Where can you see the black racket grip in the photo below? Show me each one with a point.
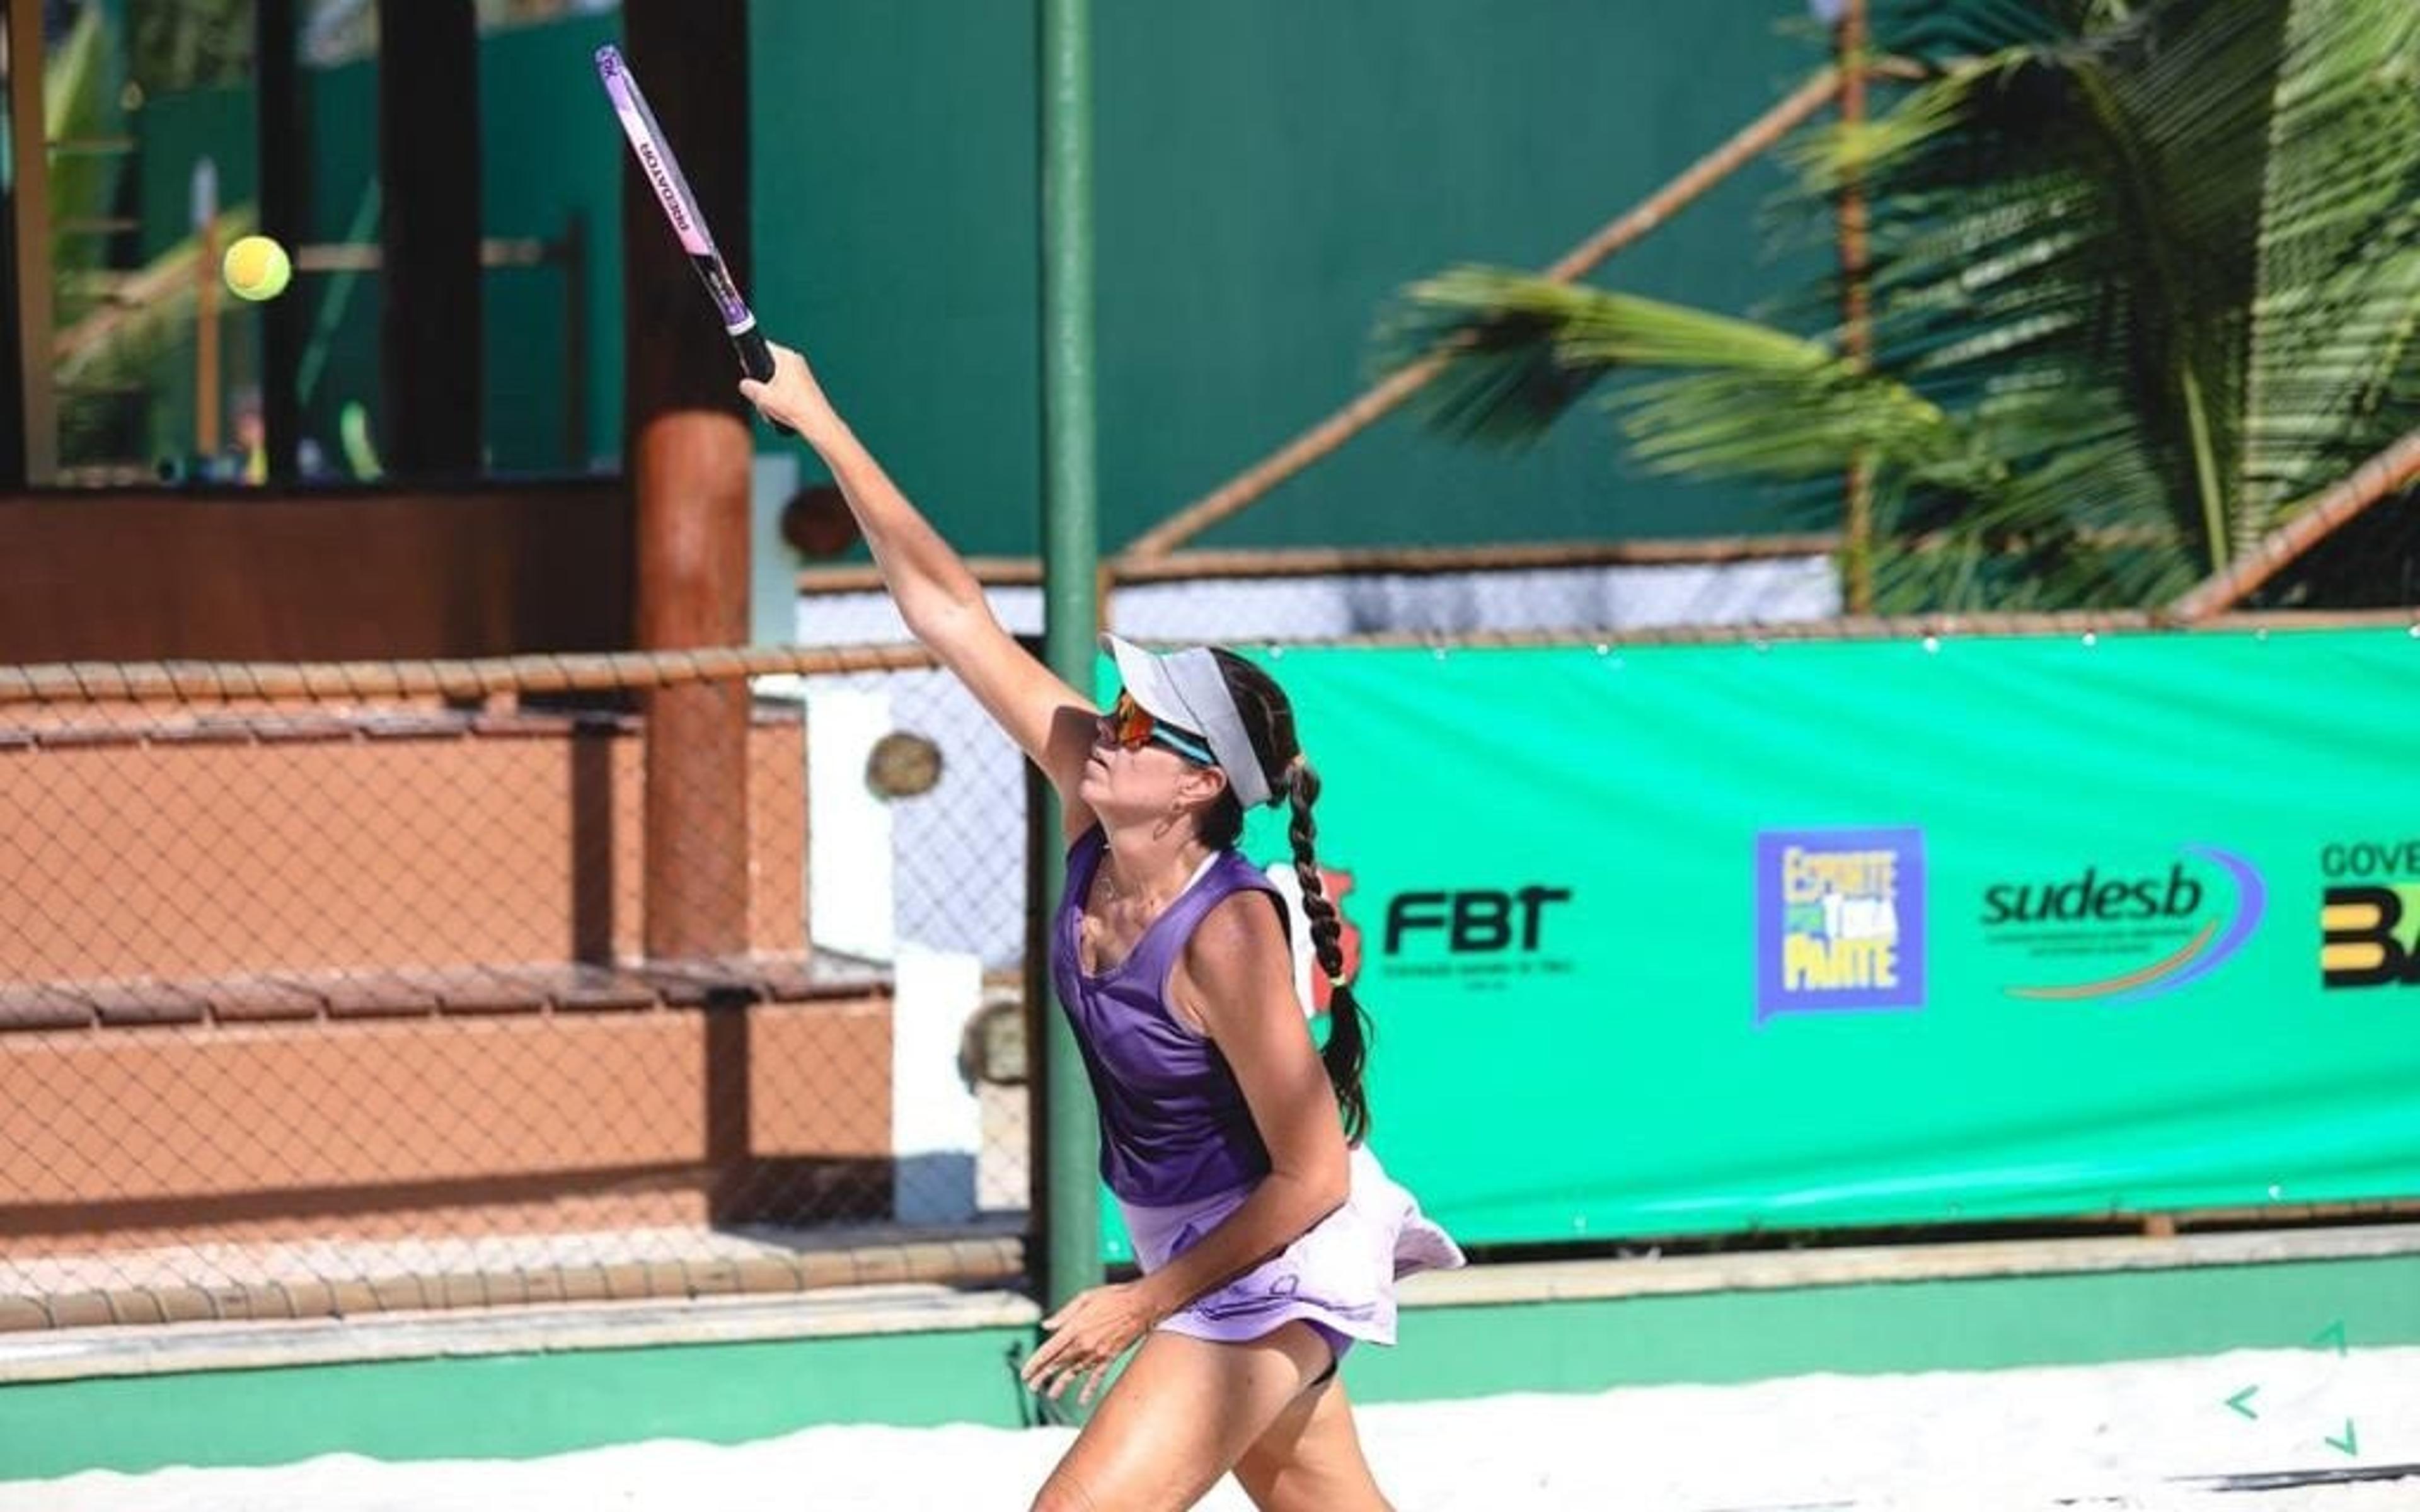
(756, 361)
(755, 358)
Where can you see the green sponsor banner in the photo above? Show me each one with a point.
(1688, 940)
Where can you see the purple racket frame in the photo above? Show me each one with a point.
(663, 172)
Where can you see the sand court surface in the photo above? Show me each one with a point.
(2157, 1436)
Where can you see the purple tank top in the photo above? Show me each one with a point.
(1175, 1125)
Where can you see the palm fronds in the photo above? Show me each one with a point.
(80, 96)
(2138, 272)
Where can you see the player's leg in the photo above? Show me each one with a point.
(1178, 1418)
(1309, 1459)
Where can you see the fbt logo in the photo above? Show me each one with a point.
(1476, 920)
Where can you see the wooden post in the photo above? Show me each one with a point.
(688, 453)
(431, 331)
(37, 460)
(688, 457)
(206, 318)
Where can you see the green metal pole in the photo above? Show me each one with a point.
(1070, 546)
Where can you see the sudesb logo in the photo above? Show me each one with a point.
(2175, 912)
(1474, 920)
(2091, 897)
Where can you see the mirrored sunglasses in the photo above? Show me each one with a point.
(1130, 726)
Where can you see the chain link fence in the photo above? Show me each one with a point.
(1577, 589)
(1297, 597)
(339, 988)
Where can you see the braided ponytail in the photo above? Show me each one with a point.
(1268, 720)
(1348, 1028)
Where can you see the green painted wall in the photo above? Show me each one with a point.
(550, 153)
(341, 347)
(522, 1406)
(1269, 174)
(508, 1407)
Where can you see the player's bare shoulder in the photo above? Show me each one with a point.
(1237, 961)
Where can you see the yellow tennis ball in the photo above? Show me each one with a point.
(257, 268)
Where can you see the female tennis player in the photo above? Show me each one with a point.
(1269, 1238)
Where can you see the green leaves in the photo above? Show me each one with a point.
(2331, 326)
(191, 44)
(2141, 276)
(1525, 350)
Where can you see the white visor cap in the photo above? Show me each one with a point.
(1187, 689)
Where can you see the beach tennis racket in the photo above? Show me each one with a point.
(664, 174)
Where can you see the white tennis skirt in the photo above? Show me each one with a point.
(1339, 1277)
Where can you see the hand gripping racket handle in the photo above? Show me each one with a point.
(756, 361)
(755, 358)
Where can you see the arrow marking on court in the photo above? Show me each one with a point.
(2348, 1444)
(2335, 1331)
(2237, 1400)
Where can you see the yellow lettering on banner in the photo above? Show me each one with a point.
(1809, 964)
(1807, 875)
(2367, 955)
(1796, 886)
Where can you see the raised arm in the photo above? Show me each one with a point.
(940, 600)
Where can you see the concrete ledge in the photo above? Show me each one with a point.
(838, 1312)
(1660, 1276)
(872, 1311)
(518, 1382)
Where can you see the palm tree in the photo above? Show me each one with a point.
(2142, 276)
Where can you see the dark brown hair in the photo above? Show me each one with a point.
(1269, 720)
